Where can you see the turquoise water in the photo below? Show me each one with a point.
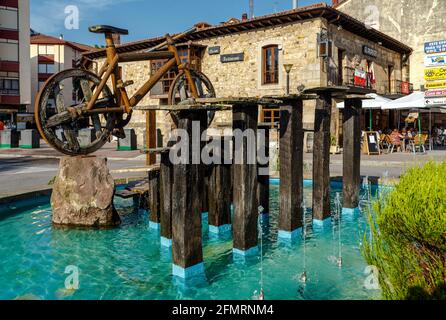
(128, 262)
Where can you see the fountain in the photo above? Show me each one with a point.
(303, 277)
(336, 258)
(260, 295)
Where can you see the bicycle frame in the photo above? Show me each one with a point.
(110, 70)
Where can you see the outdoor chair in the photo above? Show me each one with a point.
(419, 143)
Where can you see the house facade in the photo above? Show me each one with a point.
(15, 87)
(50, 55)
(246, 58)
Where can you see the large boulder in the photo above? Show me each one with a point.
(83, 194)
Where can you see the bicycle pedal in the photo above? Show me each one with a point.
(121, 84)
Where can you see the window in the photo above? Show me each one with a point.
(165, 81)
(270, 115)
(46, 50)
(46, 68)
(270, 64)
(9, 86)
(191, 55)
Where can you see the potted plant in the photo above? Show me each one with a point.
(334, 148)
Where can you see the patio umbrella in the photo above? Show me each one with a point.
(372, 101)
(416, 101)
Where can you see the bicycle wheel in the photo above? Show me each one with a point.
(179, 91)
(71, 88)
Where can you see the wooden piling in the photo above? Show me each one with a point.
(166, 182)
(352, 152)
(187, 251)
(154, 199)
(291, 168)
(219, 195)
(245, 231)
(321, 157)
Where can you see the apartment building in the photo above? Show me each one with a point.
(15, 79)
(50, 55)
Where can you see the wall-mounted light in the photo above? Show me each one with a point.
(288, 67)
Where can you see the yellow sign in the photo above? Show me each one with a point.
(435, 74)
(436, 85)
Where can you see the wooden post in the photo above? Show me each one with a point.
(263, 174)
(245, 222)
(219, 193)
(166, 181)
(150, 137)
(321, 158)
(187, 251)
(291, 169)
(154, 199)
(352, 153)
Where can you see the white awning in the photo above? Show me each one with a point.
(374, 101)
(415, 100)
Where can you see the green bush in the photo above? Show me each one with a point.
(407, 238)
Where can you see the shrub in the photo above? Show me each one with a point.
(407, 238)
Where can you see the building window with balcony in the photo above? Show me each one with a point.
(190, 55)
(46, 68)
(9, 87)
(270, 64)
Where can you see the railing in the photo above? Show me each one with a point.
(357, 78)
(10, 92)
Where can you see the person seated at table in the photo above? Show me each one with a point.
(395, 138)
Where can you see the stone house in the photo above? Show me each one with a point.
(324, 45)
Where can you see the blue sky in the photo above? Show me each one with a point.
(143, 18)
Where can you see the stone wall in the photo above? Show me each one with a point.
(409, 21)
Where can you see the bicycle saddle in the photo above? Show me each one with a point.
(107, 29)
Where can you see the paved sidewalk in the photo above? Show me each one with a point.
(46, 152)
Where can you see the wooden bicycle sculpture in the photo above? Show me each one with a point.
(77, 99)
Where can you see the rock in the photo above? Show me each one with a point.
(83, 194)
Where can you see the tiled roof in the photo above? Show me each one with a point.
(321, 10)
(45, 39)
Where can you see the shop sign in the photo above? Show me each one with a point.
(435, 47)
(226, 58)
(405, 87)
(435, 74)
(214, 50)
(360, 78)
(436, 85)
(435, 93)
(439, 101)
(370, 51)
(435, 61)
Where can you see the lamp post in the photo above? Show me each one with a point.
(288, 67)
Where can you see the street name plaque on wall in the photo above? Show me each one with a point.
(214, 50)
(234, 57)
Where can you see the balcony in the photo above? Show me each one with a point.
(352, 77)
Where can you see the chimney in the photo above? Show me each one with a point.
(245, 17)
(251, 9)
(335, 2)
(295, 4)
(61, 36)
